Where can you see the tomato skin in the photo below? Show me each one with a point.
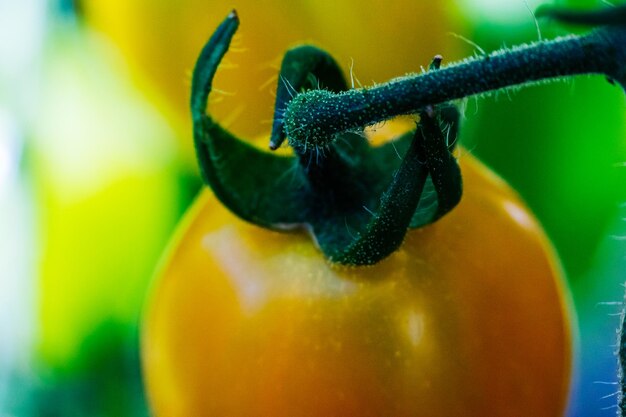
(467, 318)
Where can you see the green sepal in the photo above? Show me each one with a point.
(357, 200)
(258, 187)
(383, 230)
(443, 188)
(207, 63)
(264, 189)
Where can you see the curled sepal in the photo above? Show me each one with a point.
(427, 158)
(207, 63)
(444, 187)
(257, 186)
(303, 68)
(608, 16)
(385, 230)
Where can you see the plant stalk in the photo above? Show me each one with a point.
(315, 117)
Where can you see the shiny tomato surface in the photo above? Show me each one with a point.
(468, 318)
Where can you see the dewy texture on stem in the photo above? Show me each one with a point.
(316, 117)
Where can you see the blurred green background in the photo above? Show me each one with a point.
(96, 167)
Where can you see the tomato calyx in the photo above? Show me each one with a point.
(358, 201)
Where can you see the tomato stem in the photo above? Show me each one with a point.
(303, 68)
(607, 16)
(328, 171)
(318, 116)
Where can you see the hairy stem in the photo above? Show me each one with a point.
(317, 116)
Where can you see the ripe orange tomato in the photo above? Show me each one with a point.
(469, 318)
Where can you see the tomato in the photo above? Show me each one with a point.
(160, 39)
(468, 317)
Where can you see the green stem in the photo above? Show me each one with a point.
(317, 116)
